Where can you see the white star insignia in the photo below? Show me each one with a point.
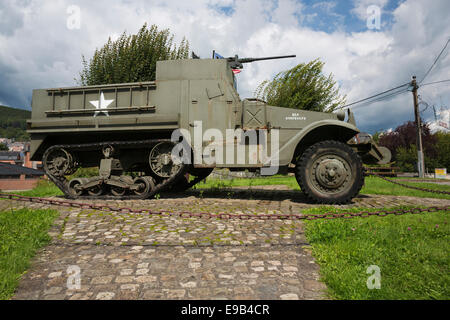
(101, 105)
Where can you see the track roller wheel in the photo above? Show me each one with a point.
(96, 191)
(75, 187)
(118, 191)
(146, 185)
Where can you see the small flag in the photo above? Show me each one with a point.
(217, 56)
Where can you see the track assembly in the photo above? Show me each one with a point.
(115, 181)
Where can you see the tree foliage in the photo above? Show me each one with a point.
(443, 147)
(16, 134)
(402, 143)
(406, 159)
(13, 123)
(132, 58)
(406, 135)
(302, 87)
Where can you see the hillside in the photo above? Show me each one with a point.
(13, 123)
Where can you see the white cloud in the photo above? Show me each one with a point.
(37, 50)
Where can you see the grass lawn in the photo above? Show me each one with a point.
(373, 185)
(44, 188)
(22, 232)
(376, 185)
(412, 252)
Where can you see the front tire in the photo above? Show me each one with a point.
(330, 172)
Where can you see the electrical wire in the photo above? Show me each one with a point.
(376, 95)
(435, 61)
(435, 82)
(385, 97)
(391, 95)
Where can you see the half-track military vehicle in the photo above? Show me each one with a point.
(127, 132)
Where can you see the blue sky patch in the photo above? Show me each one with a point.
(331, 16)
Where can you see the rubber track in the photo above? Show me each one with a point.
(62, 182)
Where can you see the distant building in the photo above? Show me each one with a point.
(21, 158)
(441, 124)
(16, 146)
(5, 141)
(27, 162)
(11, 157)
(14, 177)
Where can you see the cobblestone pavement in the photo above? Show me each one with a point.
(136, 256)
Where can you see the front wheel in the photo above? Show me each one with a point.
(330, 172)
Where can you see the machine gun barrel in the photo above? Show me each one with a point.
(248, 60)
(236, 63)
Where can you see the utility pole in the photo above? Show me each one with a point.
(420, 158)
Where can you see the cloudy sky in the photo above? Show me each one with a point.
(42, 41)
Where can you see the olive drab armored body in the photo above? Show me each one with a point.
(167, 135)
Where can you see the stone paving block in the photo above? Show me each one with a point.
(289, 296)
(105, 296)
(138, 256)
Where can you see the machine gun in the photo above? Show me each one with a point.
(236, 63)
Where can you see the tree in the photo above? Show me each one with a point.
(302, 87)
(443, 147)
(407, 158)
(402, 143)
(406, 135)
(132, 58)
(376, 136)
(3, 147)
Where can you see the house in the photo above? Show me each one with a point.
(20, 158)
(5, 141)
(16, 146)
(15, 177)
(27, 162)
(11, 157)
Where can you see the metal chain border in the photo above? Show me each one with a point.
(222, 216)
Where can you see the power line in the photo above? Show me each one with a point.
(376, 95)
(391, 95)
(435, 61)
(435, 82)
(381, 97)
(384, 97)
